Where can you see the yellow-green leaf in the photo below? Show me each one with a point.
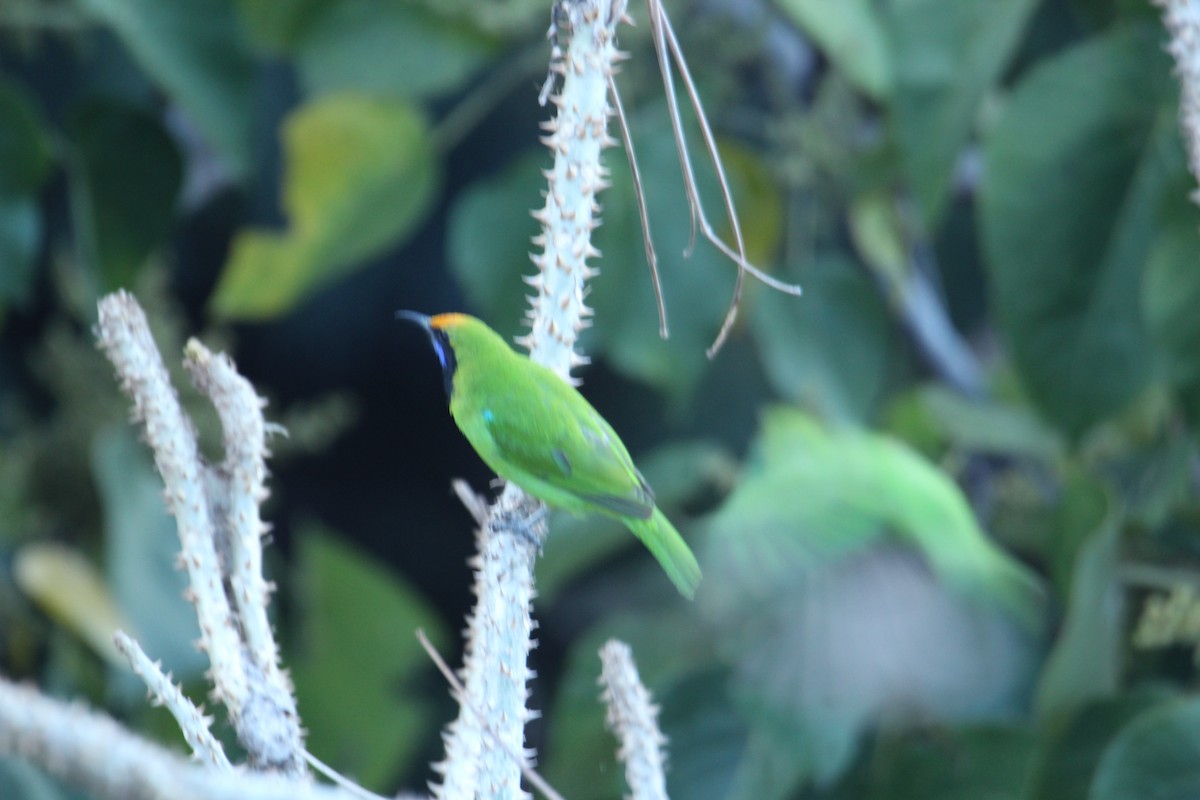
(851, 34)
(360, 175)
(72, 592)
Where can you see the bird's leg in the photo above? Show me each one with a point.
(525, 519)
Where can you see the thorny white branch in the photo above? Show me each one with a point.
(633, 718)
(216, 510)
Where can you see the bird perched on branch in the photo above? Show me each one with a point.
(534, 429)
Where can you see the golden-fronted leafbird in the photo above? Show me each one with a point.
(536, 430)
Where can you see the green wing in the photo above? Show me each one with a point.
(556, 437)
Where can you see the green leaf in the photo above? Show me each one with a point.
(984, 762)
(829, 349)
(1070, 753)
(24, 148)
(948, 56)
(1156, 757)
(1171, 292)
(974, 425)
(1085, 661)
(1075, 170)
(851, 34)
(361, 174)
(1075, 515)
(276, 25)
(141, 548)
(129, 176)
(394, 49)
(361, 675)
(707, 737)
(195, 50)
(70, 590)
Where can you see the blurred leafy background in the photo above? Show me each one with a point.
(987, 204)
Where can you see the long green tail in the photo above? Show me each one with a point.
(661, 538)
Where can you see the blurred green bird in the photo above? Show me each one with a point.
(536, 430)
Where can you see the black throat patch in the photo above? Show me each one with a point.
(445, 354)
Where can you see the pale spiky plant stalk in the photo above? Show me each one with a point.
(91, 751)
(163, 691)
(633, 719)
(216, 511)
(490, 728)
(576, 136)
(1182, 19)
(220, 532)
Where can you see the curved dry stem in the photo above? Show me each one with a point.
(666, 43)
(643, 214)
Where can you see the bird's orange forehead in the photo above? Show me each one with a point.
(440, 321)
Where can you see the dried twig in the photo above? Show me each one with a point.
(640, 195)
(664, 43)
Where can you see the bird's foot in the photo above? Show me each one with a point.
(526, 519)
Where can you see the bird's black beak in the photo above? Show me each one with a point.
(413, 316)
(441, 346)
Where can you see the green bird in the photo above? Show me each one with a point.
(536, 430)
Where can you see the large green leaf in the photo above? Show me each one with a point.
(947, 57)
(390, 49)
(363, 682)
(1070, 751)
(361, 174)
(278, 26)
(196, 51)
(851, 33)
(829, 349)
(129, 176)
(1075, 169)
(1085, 662)
(1156, 757)
(1171, 292)
(938, 417)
